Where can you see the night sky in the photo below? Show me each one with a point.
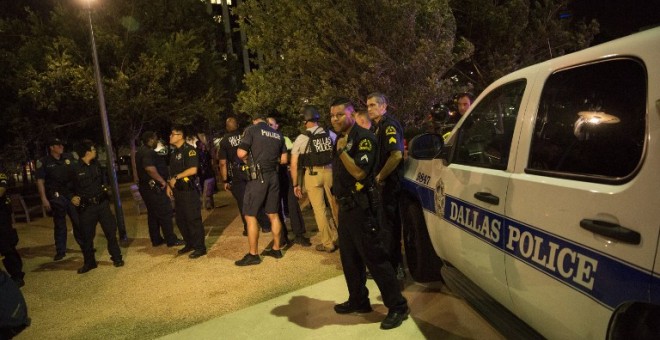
(618, 18)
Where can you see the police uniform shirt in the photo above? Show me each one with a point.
(228, 147)
(145, 157)
(88, 180)
(56, 174)
(361, 146)
(5, 205)
(300, 144)
(267, 145)
(183, 158)
(390, 138)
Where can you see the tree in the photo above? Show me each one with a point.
(315, 50)
(509, 35)
(157, 59)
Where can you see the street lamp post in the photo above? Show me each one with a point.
(112, 174)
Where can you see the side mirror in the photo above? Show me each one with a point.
(426, 146)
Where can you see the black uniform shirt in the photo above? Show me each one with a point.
(390, 138)
(56, 174)
(361, 146)
(267, 145)
(228, 147)
(87, 180)
(5, 205)
(145, 157)
(183, 158)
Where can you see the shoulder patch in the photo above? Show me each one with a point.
(365, 145)
(392, 140)
(390, 130)
(67, 161)
(192, 153)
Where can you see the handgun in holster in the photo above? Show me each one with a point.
(153, 186)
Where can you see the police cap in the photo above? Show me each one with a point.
(54, 141)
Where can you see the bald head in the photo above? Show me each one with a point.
(231, 124)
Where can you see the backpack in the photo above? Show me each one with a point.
(319, 149)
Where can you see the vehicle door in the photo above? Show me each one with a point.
(582, 206)
(472, 189)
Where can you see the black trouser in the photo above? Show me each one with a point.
(61, 207)
(359, 248)
(189, 218)
(290, 204)
(159, 215)
(238, 191)
(90, 215)
(390, 193)
(8, 242)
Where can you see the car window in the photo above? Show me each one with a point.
(590, 122)
(484, 138)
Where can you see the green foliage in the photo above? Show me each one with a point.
(509, 35)
(314, 50)
(157, 60)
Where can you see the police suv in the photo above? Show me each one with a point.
(542, 207)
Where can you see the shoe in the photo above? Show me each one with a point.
(303, 241)
(321, 247)
(176, 243)
(394, 319)
(59, 256)
(273, 253)
(185, 250)
(248, 260)
(19, 281)
(123, 237)
(158, 244)
(87, 267)
(197, 253)
(347, 308)
(119, 263)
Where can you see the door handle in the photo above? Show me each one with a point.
(487, 197)
(611, 230)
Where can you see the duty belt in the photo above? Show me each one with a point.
(98, 199)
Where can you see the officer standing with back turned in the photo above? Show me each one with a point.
(181, 186)
(360, 237)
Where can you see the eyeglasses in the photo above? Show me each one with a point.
(337, 116)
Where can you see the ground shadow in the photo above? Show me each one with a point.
(313, 313)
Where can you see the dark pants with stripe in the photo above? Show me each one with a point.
(360, 249)
(189, 218)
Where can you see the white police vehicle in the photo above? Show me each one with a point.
(543, 206)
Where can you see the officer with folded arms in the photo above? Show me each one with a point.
(91, 198)
(152, 174)
(360, 236)
(263, 150)
(53, 183)
(181, 186)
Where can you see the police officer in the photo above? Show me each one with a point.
(8, 236)
(360, 237)
(263, 149)
(389, 172)
(152, 172)
(91, 198)
(53, 183)
(233, 171)
(311, 165)
(182, 187)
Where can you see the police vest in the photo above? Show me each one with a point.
(319, 149)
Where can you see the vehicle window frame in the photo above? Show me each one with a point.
(594, 178)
